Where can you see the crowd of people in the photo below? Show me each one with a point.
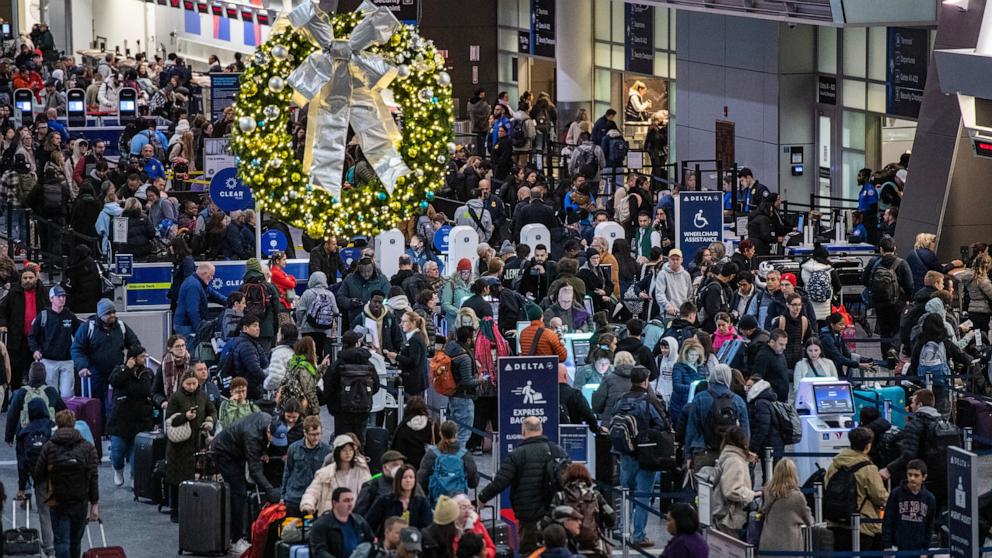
(247, 386)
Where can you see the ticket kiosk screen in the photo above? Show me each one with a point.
(833, 399)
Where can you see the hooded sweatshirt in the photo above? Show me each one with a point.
(672, 287)
(39, 422)
(316, 286)
(663, 385)
(104, 222)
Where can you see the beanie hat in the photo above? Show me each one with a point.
(104, 307)
(748, 322)
(533, 311)
(590, 252)
(446, 511)
(254, 265)
(464, 264)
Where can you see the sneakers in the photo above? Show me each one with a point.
(119, 477)
(239, 548)
(643, 543)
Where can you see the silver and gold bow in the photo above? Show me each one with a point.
(343, 85)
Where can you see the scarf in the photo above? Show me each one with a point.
(488, 339)
(378, 320)
(173, 371)
(301, 361)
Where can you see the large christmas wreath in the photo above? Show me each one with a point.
(263, 146)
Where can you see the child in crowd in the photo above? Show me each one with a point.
(910, 512)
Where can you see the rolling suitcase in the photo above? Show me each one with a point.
(204, 517)
(876, 397)
(149, 449)
(286, 550)
(22, 542)
(974, 412)
(729, 351)
(102, 551)
(376, 442)
(87, 409)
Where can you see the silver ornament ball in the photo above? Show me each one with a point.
(246, 124)
(419, 173)
(276, 84)
(441, 159)
(261, 58)
(425, 94)
(444, 78)
(275, 162)
(403, 70)
(280, 52)
(271, 112)
(451, 147)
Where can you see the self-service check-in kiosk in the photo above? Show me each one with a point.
(24, 107)
(76, 108)
(127, 105)
(577, 348)
(826, 409)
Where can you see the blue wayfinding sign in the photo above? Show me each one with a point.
(698, 221)
(229, 192)
(962, 491)
(574, 439)
(441, 239)
(274, 240)
(123, 264)
(528, 387)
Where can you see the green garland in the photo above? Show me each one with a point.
(262, 142)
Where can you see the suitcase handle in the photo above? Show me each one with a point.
(86, 387)
(103, 534)
(27, 512)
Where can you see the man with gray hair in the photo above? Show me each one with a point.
(523, 471)
(710, 415)
(191, 303)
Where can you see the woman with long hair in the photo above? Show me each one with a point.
(813, 363)
(637, 106)
(302, 374)
(285, 283)
(403, 501)
(734, 483)
(175, 363)
(933, 352)
(979, 291)
(412, 356)
(628, 265)
(344, 466)
(784, 511)
(576, 127)
(187, 405)
(690, 368)
(450, 451)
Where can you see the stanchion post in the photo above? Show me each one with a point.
(856, 532)
(818, 502)
(807, 533)
(928, 380)
(968, 437)
(496, 466)
(766, 461)
(625, 535)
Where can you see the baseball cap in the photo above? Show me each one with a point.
(280, 433)
(56, 291)
(675, 252)
(410, 539)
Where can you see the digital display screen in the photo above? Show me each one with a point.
(24, 105)
(833, 399)
(127, 106)
(76, 106)
(983, 148)
(580, 349)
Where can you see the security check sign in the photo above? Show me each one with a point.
(698, 221)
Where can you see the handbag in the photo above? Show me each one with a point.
(178, 434)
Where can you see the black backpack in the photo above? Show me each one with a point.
(256, 299)
(51, 197)
(840, 495)
(554, 467)
(941, 434)
(355, 385)
(587, 163)
(65, 470)
(32, 441)
(518, 132)
(884, 285)
(722, 417)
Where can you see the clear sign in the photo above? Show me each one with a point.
(962, 492)
(528, 387)
(442, 239)
(698, 221)
(124, 264)
(229, 192)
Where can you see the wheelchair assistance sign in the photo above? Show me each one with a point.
(528, 387)
(698, 221)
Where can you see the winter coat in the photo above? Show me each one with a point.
(412, 437)
(231, 412)
(523, 471)
(317, 495)
(979, 292)
(278, 364)
(300, 383)
(474, 525)
(100, 348)
(686, 546)
(413, 363)
(167, 378)
(772, 367)
(284, 283)
(903, 274)
(463, 370)
(683, 376)
(85, 212)
(824, 368)
(302, 464)
(920, 262)
(699, 412)
(759, 231)
(332, 380)
(248, 361)
(419, 508)
(735, 490)
(180, 461)
(191, 306)
(244, 442)
(69, 441)
(822, 309)
(671, 288)
(17, 406)
(39, 422)
(576, 319)
(83, 283)
(761, 416)
(104, 224)
(614, 386)
(269, 321)
(576, 407)
(316, 286)
(132, 412)
(835, 350)
(328, 264)
(871, 488)
(12, 312)
(140, 233)
(355, 292)
(426, 468)
(476, 206)
(478, 114)
(454, 291)
(327, 540)
(783, 519)
(912, 441)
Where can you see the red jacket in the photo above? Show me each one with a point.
(479, 529)
(283, 282)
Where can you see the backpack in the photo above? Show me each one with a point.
(616, 151)
(587, 163)
(554, 467)
(840, 495)
(32, 441)
(818, 287)
(941, 434)
(441, 376)
(64, 471)
(518, 133)
(888, 448)
(701, 299)
(25, 183)
(448, 477)
(788, 423)
(205, 331)
(256, 299)
(321, 312)
(722, 417)
(625, 428)
(884, 285)
(656, 450)
(587, 503)
(51, 197)
(35, 393)
(356, 388)
(156, 143)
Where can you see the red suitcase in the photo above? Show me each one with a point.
(87, 409)
(103, 551)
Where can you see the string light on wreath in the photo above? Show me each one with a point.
(279, 181)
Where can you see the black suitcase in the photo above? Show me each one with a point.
(376, 443)
(503, 551)
(204, 517)
(23, 542)
(149, 449)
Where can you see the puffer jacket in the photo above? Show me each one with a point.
(132, 411)
(871, 489)
(979, 292)
(524, 467)
(682, 377)
(248, 361)
(454, 291)
(278, 363)
(764, 426)
(735, 490)
(821, 309)
(463, 370)
(245, 441)
(317, 496)
(413, 436)
(316, 285)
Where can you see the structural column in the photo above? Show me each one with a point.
(573, 57)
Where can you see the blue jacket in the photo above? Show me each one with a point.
(248, 361)
(17, 405)
(835, 349)
(682, 377)
(699, 413)
(920, 262)
(142, 138)
(191, 307)
(39, 422)
(599, 129)
(100, 348)
(154, 169)
(235, 247)
(301, 465)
